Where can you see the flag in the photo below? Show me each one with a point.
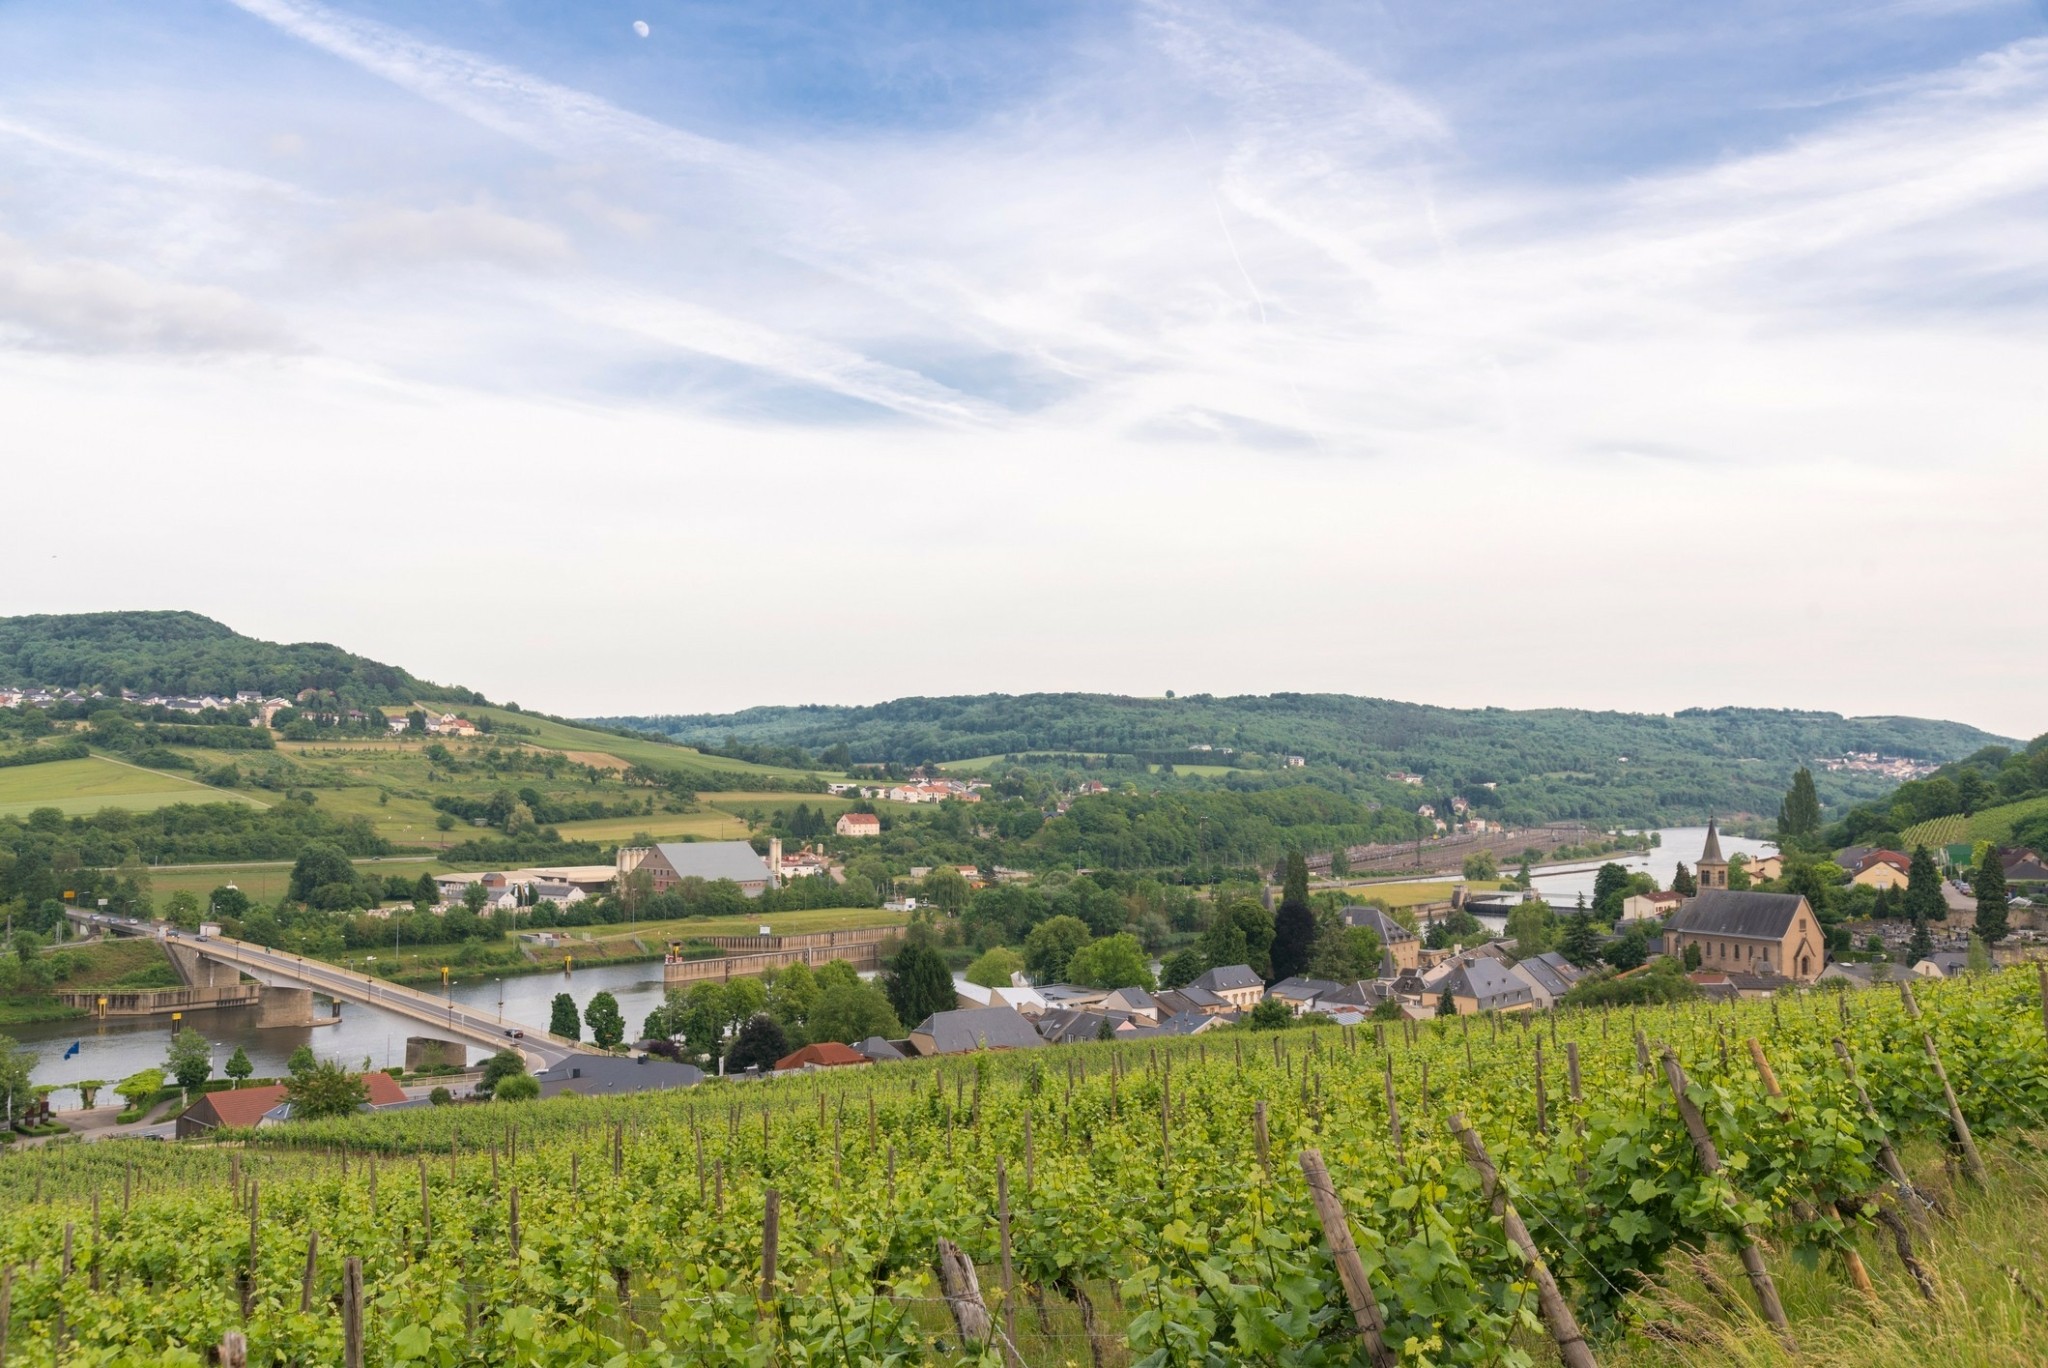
(74, 1048)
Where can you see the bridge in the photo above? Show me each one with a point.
(218, 961)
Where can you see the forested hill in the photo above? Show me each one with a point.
(1546, 764)
(184, 653)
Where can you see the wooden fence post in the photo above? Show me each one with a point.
(352, 1312)
(312, 1266)
(1394, 1113)
(1571, 1065)
(1710, 1160)
(1009, 1273)
(6, 1308)
(1557, 1313)
(233, 1351)
(512, 1221)
(771, 1232)
(1259, 1141)
(963, 1294)
(1542, 1101)
(1972, 1160)
(1858, 1274)
(1365, 1309)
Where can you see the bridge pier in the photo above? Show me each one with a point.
(285, 1007)
(199, 972)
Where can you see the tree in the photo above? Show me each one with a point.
(563, 1019)
(1046, 950)
(944, 888)
(137, 1088)
(994, 968)
(1343, 954)
(1627, 950)
(1923, 943)
(1581, 941)
(1456, 927)
(1978, 958)
(1524, 877)
(607, 1025)
(1992, 903)
(474, 897)
(325, 1090)
(499, 1067)
(320, 866)
(1799, 814)
(1923, 888)
(1112, 962)
(301, 1060)
(1531, 926)
(191, 1058)
(440, 1097)
(1683, 883)
(238, 1066)
(1269, 1014)
(919, 984)
(1481, 866)
(1240, 932)
(792, 999)
(517, 1088)
(1294, 926)
(850, 1012)
(1738, 872)
(1446, 1005)
(181, 910)
(1694, 956)
(1340, 862)
(88, 1088)
(1610, 887)
(15, 1067)
(759, 1045)
(1181, 968)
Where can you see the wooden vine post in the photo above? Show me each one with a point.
(352, 1312)
(1964, 1140)
(1009, 1272)
(771, 1232)
(233, 1351)
(1710, 1160)
(963, 1294)
(1365, 1309)
(1557, 1312)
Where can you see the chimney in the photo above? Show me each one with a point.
(775, 862)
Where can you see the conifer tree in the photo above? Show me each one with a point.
(1799, 813)
(1992, 902)
(1683, 883)
(1923, 888)
(1294, 925)
(1923, 943)
(563, 1019)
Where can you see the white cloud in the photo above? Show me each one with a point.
(471, 233)
(90, 306)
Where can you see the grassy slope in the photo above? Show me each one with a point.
(85, 786)
(118, 963)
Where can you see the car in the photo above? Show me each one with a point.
(515, 1035)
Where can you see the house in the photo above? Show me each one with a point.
(1860, 975)
(1405, 777)
(1022, 997)
(1360, 997)
(880, 1050)
(974, 1028)
(1750, 933)
(828, 1054)
(616, 1075)
(1295, 761)
(1650, 906)
(1485, 985)
(1883, 869)
(1396, 940)
(1943, 964)
(858, 824)
(1134, 1002)
(2023, 867)
(1771, 866)
(1549, 976)
(1181, 1001)
(671, 862)
(1190, 1023)
(1300, 993)
(1236, 984)
(1073, 1026)
(236, 1108)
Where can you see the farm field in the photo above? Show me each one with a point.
(266, 881)
(1148, 1202)
(1415, 894)
(75, 787)
(705, 824)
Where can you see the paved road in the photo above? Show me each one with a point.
(450, 1018)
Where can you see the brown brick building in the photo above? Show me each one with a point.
(1751, 933)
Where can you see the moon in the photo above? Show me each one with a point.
(640, 27)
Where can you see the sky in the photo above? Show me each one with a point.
(684, 355)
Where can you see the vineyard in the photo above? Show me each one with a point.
(1471, 1191)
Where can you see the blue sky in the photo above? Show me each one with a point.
(1131, 346)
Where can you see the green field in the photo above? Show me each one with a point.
(80, 786)
(1987, 824)
(266, 881)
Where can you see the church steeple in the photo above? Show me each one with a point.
(1712, 869)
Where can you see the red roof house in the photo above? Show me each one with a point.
(828, 1055)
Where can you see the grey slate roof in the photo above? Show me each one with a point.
(1188, 1023)
(1373, 919)
(1229, 976)
(1173, 1001)
(1300, 989)
(614, 1075)
(1711, 853)
(976, 1028)
(1552, 970)
(879, 1048)
(1070, 1025)
(733, 860)
(1488, 984)
(1739, 916)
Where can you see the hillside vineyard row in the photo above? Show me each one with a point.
(1122, 1203)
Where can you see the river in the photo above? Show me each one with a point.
(112, 1050)
(1561, 886)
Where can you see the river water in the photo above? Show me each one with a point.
(111, 1050)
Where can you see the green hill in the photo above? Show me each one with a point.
(184, 653)
(1542, 764)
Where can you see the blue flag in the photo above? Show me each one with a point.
(74, 1048)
